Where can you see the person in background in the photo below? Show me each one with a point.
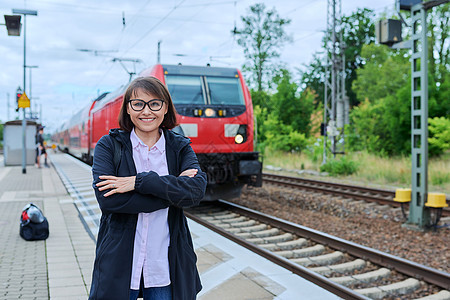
(40, 147)
(144, 245)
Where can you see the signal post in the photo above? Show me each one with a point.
(389, 33)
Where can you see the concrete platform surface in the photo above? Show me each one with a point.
(61, 266)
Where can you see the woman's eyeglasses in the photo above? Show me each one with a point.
(138, 104)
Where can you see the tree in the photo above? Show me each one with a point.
(291, 108)
(439, 33)
(385, 72)
(382, 122)
(357, 30)
(262, 38)
(314, 78)
(439, 59)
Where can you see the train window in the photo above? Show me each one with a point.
(185, 89)
(225, 91)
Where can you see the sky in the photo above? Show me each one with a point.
(192, 32)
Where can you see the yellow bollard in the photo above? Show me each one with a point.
(436, 200)
(402, 195)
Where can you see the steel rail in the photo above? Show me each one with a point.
(304, 272)
(415, 270)
(386, 193)
(370, 194)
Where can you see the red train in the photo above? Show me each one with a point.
(214, 110)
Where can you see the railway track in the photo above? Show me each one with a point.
(382, 197)
(349, 270)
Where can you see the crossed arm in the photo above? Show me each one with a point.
(126, 184)
(147, 191)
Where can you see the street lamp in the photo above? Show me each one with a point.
(13, 25)
(24, 12)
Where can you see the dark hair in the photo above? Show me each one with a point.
(150, 85)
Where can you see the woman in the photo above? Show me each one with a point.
(144, 245)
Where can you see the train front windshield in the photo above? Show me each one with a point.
(205, 90)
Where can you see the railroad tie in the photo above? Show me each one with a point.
(364, 277)
(244, 224)
(219, 223)
(220, 215)
(289, 245)
(298, 243)
(279, 238)
(258, 227)
(356, 264)
(442, 295)
(310, 251)
(319, 260)
(243, 232)
(235, 220)
(272, 239)
(260, 234)
(399, 288)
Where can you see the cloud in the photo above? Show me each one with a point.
(67, 79)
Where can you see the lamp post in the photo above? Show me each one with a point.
(24, 12)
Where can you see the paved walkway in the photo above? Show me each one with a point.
(57, 268)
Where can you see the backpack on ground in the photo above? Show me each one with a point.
(33, 224)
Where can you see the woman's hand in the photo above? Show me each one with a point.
(189, 172)
(116, 184)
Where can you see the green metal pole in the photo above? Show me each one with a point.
(419, 214)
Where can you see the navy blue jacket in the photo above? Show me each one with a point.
(114, 254)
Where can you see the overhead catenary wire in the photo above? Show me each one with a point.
(154, 26)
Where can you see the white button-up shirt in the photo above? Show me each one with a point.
(150, 254)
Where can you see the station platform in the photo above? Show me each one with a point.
(61, 266)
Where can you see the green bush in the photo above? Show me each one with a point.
(343, 166)
(287, 140)
(278, 136)
(314, 150)
(439, 135)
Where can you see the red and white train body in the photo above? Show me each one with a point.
(214, 110)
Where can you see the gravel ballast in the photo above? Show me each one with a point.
(378, 227)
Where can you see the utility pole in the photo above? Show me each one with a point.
(158, 61)
(336, 104)
(24, 12)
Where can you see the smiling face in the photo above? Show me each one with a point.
(146, 122)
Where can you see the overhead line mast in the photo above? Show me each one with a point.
(336, 103)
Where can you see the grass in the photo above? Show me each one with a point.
(372, 170)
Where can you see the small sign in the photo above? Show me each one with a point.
(24, 101)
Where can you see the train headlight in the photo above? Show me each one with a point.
(209, 112)
(238, 139)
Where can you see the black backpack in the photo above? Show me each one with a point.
(33, 224)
